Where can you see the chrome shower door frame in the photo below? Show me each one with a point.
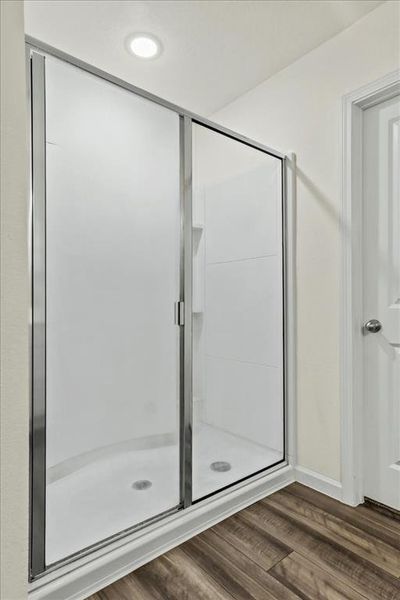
(38, 328)
(36, 53)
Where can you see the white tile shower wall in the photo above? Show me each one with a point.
(243, 310)
(242, 399)
(242, 216)
(243, 303)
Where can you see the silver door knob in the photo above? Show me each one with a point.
(372, 326)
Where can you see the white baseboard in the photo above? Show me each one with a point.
(89, 574)
(318, 482)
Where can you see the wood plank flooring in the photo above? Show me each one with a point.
(294, 544)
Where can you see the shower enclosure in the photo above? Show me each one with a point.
(158, 309)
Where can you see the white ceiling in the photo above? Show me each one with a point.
(213, 51)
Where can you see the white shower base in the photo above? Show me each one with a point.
(97, 500)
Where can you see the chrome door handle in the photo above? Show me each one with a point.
(372, 326)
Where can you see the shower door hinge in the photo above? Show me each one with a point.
(179, 313)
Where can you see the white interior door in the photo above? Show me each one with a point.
(381, 197)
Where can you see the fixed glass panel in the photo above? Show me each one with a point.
(112, 278)
(238, 392)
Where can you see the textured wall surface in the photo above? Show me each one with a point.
(14, 408)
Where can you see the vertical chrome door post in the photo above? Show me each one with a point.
(186, 283)
(38, 337)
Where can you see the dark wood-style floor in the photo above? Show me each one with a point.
(296, 543)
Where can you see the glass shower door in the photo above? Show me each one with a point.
(112, 278)
(158, 309)
(238, 347)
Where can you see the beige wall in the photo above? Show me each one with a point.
(14, 408)
(299, 109)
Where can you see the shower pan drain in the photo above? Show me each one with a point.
(142, 484)
(221, 466)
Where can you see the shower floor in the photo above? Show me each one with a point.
(98, 500)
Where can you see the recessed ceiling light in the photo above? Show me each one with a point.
(144, 45)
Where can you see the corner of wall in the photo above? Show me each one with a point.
(14, 330)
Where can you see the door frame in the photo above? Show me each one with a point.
(351, 366)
